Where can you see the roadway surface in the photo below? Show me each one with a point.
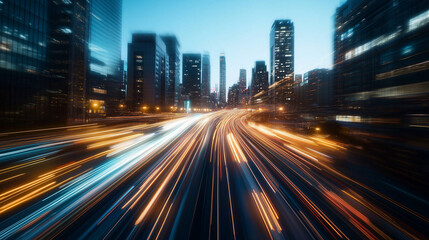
(206, 176)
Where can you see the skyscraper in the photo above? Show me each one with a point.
(233, 95)
(205, 83)
(68, 57)
(104, 76)
(380, 70)
(242, 82)
(222, 80)
(282, 60)
(173, 52)
(24, 94)
(147, 72)
(259, 81)
(192, 78)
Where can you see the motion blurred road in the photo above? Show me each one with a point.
(203, 176)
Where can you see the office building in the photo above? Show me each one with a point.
(259, 86)
(24, 86)
(380, 70)
(68, 57)
(104, 76)
(315, 91)
(205, 81)
(191, 78)
(234, 96)
(173, 52)
(222, 79)
(242, 82)
(147, 73)
(282, 61)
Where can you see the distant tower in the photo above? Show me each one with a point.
(205, 81)
(242, 83)
(222, 80)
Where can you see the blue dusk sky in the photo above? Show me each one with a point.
(239, 28)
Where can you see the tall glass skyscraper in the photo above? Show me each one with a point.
(192, 78)
(222, 80)
(205, 83)
(68, 57)
(173, 52)
(104, 77)
(282, 60)
(24, 94)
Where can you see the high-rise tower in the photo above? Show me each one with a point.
(147, 72)
(173, 53)
(222, 79)
(282, 60)
(205, 83)
(192, 78)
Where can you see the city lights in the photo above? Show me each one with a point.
(214, 120)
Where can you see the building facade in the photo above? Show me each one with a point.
(71, 52)
(380, 70)
(104, 76)
(315, 91)
(242, 82)
(259, 87)
(282, 54)
(68, 57)
(222, 79)
(173, 51)
(192, 78)
(24, 85)
(147, 73)
(234, 96)
(205, 81)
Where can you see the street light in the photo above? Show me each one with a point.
(281, 109)
(157, 108)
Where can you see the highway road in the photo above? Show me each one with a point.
(203, 176)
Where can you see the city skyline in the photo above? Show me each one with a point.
(309, 54)
(302, 149)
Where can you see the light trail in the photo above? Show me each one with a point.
(206, 176)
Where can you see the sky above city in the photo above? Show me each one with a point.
(239, 28)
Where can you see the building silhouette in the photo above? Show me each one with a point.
(205, 81)
(222, 79)
(380, 70)
(191, 78)
(282, 61)
(259, 86)
(24, 86)
(234, 95)
(104, 76)
(173, 52)
(147, 73)
(242, 82)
